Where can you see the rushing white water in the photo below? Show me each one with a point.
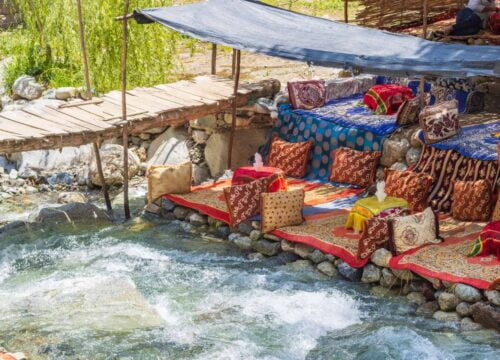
(159, 293)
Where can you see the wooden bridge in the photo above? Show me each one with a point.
(81, 122)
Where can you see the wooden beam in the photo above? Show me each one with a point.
(425, 11)
(80, 103)
(346, 11)
(233, 65)
(124, 17)
(422, 93)
(126, 206)
(233, 124)
(214, 59)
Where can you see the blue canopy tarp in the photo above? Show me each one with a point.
(257, 27)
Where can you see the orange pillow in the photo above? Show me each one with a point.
(472, 200)
(413, 187)
(354, 167)
(290, 157)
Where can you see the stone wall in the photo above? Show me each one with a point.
(9, 15)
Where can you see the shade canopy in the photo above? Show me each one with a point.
(257, 27)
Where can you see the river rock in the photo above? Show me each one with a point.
(27, 88)
(464, 309)
(266, 247)
(256, 256)
(415, 140)
(399, 166)
(200, 136)
(181, 213)
(371, 274)
(413, 155)
(223, 231)
(245, 227)
(486, 315)
(303, 250)
(381, 257)
(447, 301)
(246, 145)
(428, 309)
(301, 265)
(206, 123)
(493, 297)
(317, 256)
(243, 242)
(467, 324)
(382, 292)
(255, 235)
(416, 298)
(170, 148)
(467, 293)
(112, 165)
(66, 93)
(393, 151)
(287, 246)
(281, 259)
(349, 272)
(167, 204)
(446, 316)
(78, 213)
(201, 173)
(388, 279)
(327, 268)
(270, 236)
(71, 197)
(405, 275)
(197, 219)
(13, 174)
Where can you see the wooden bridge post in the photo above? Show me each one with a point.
(214, 59)
(233, 66)
(425, 11)
(233, 124)
(89, 96)
(124, 111)
(346, 11)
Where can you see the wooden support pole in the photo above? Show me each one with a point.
(89, 98)
(233, 66)
(214, 59)
(126, 206)
(422, 93)
(425, 11)
(346, 11)
(233, 124)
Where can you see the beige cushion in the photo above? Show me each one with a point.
(410, 232)
(168, 179)
(281, 209)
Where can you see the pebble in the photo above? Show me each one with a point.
(327, 268)
(467, 293)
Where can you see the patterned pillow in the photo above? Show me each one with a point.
(376, 232)
(290, 157)
(440, 122)
(472, 200)
(386, 99)
(408, 112)
(496, 212)
(243, 201)
(307, 94)
(354, 167)
(281, 209)
(413, 187)
(410, 232)
(168, 179)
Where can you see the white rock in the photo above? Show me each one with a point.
(13, 174)
(170, 148)
(66, 93)
(200, 136)
(27, 88)
(381, 257)
(112, 165)
(467, 293)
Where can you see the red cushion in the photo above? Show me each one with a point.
(354, 167)
(387, 98)
(413, 187)
(290, 157)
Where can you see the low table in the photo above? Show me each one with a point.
(369, 207)
(246, 174)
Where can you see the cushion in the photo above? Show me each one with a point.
(376, 231)
(413, 187)
(413, 231)
(472, 200)
(290, 157)
(488, 242)
(387, 98)
(354, 167)
(168, 179)
(496, 211)
(307, 94)
(281, 209)
(440, 122)
(243, 201)
(408, 112)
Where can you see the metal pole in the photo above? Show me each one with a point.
(214, 59)
(124, 113)
(89, 96)
(425, 5)
(233, 124)
(346, 11)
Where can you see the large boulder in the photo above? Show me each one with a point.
(170, 148)
(27, 88)
(246, 144)
(75, 213)
(112, 165)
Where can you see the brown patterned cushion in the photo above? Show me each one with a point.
(472, 200)
(410, 232)
(413, 187)
(496, 212)
(376, 232)
(408, 112)
(307, 94)
(354, 167)
(290, 157)
(440, 121)
(281, 209)
(243, 201)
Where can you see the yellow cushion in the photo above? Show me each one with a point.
(168, 179)
(281, 209)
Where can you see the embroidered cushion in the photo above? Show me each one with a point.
(496, 212)
(440, 122)
(472, 200)
(290, 157)
(413, 187)
(488, 242)
(281, 209)
(168, 179)
(408, 112)
(387, 98)
(410, 232)
(354, 167)
(376, 231)
(243, 201)
(307, 94)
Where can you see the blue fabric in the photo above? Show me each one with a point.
(327, 136)
(257, 27)
(471, 142)
(344, 203)
(348, 112)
